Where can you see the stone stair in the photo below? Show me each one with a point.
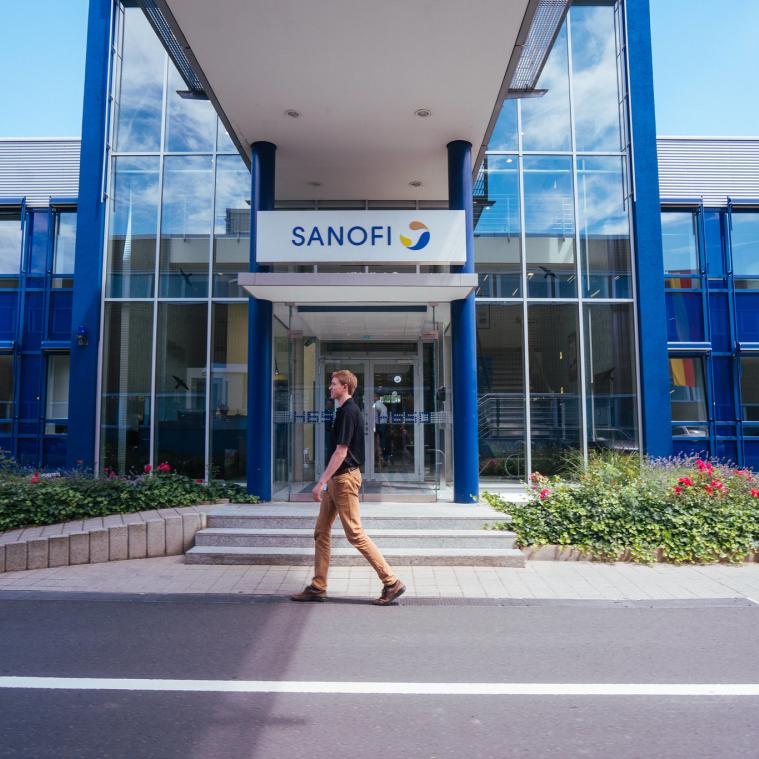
(407, 533)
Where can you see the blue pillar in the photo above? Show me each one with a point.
(649, 267)
(463, 326)
(260, 373)
(85, 309)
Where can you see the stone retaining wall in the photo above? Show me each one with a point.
(142, 534)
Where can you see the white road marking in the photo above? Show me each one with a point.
(376, 688)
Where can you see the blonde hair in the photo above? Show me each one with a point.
(347, 378)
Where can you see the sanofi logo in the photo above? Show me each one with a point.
(356, 236)
(422, 240)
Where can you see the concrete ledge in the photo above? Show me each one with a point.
(162, 532)
(570, 553)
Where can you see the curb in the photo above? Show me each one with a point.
(139, 535)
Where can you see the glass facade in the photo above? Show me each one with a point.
(556, 329)
(555, 319)
(175, 324)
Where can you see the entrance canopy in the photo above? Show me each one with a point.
(358, 287)
(360, 97)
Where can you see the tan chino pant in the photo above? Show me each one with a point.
(341, 497)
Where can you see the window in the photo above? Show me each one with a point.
(6, 392)
(750, 388)
(57, 396)
(688, 396)
(64, 243)
(680, 249)
(10, 240)
(744, 235)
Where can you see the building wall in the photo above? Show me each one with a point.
(711, 258)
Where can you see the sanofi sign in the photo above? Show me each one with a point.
(401, 237)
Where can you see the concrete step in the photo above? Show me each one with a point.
(345, 557)
(385, 539)
(384, 516)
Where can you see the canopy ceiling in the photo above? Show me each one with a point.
(355, 71)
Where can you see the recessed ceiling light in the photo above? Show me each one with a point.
(314, 184)
(423, 113)
(292, 113)
(415, 183)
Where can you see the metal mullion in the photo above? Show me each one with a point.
(116, 49)
(578, 252)
(207, 437)
(525, 336)
(156, 268)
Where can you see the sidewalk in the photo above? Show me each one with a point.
(538, 580)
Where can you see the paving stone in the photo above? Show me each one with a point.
(36, 554)
(58, 550)
(112, 520)
(138, 540)
(118, 542)
(98, 546)
(10, 537)
(95, 523)
(174, 535)
(79, 548)
(76, 526)
(15, 556)
(190, 525)
(156, 537)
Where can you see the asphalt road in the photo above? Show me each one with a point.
(237, 640)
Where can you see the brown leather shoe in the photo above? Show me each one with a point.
(310, 593)
(390, 593)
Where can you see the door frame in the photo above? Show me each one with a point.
(368, 363)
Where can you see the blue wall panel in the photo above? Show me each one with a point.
(649, 266)
(89, 238)
(719, 320)
(59, 318)
(747, 317)
(33, 321)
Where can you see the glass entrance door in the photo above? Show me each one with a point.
(390, 399)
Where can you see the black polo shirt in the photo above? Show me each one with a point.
(348, 429)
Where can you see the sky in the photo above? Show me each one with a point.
(705, 63)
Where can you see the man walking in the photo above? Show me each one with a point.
(343, 480)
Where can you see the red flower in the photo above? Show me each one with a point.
(743, 473)
(709, 489)
(678, 490)
(704, 466)
(147, 469)
(198, 482)
(755, 492)
(687, 481)
(544, 493)
(716, 484)
(164, 467)
(35, 478)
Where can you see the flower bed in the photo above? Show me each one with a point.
(31, 499)
(676, 510)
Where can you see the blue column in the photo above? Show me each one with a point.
(260, 373)
(85, 309)
(464, 347)
(649, 267)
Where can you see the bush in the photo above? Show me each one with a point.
(679, 510)
(39, 500)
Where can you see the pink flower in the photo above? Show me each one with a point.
(164, 467)
(704, 466)
(35, 478)
(198, 482)
(755, 492)
(544, 493)
(716, 484)
(678, 490)
(687, 481)
(147, 469)
(709, 489)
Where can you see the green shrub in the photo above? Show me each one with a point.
(681, 510)
(34, 500)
